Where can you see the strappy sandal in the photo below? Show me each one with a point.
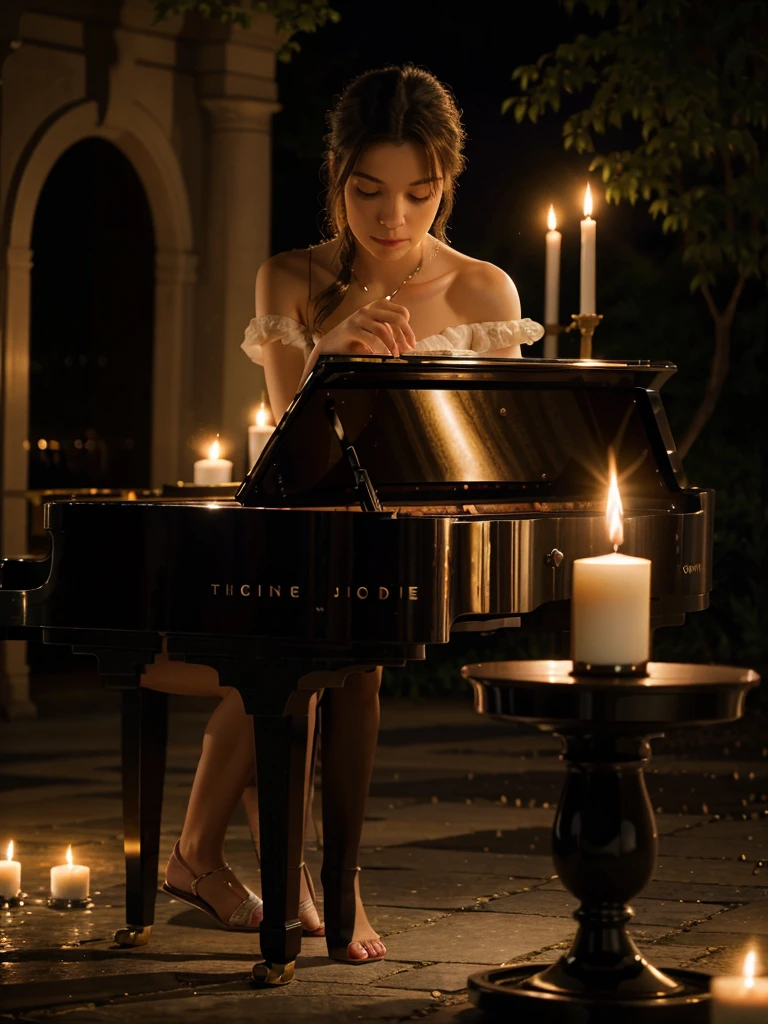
(310, 903)
(340, 905)
(239, 920)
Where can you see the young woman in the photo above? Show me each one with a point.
(385, 282)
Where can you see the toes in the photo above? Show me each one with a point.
(357, 951)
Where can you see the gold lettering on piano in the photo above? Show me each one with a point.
(692, 567)
(353, 593)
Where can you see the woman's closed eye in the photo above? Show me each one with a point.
(372, 195)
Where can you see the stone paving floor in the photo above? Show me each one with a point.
(457, 873)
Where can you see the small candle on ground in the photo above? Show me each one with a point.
(611, 600)
(552, 285)
(740, 999)
(70, 881)
(10, 875)
(587, 281)
(213, 470)
(259, 432)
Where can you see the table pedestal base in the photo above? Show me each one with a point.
(514, 993)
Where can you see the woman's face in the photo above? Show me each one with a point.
(390, 201)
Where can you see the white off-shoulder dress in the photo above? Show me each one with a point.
(455, 341)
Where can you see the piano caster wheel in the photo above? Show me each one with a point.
(265, 975)
(129, 936)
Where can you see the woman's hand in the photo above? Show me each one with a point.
(380, 327)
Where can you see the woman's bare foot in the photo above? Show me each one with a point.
(365, 943)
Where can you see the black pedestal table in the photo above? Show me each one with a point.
(604, 837)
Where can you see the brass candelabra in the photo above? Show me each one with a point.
(586, 323)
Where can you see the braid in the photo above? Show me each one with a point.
(332, 296)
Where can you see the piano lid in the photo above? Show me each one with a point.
(445, 430)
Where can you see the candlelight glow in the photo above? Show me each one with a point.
(69, 856)
(551, 219)
(215, 450)
(9, 854)
(261, 416)
(588, 202)
(749, 969)
(614, 512)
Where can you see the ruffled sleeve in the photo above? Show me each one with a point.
(263, 330)
(503, 333)
(482, 337)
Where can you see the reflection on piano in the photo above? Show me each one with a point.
(397, 501)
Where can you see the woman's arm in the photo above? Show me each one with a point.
(279, 285)
(277, 292)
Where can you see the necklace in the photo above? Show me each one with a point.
(407, 279)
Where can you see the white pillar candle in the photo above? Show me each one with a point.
(10, 874)
(259, 433)
(213, 470)
(587, 290)
(611, 600)
(611, 605)
(740, 1000)
(70, 881)
(552, 285)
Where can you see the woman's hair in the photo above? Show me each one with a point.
(393, 104)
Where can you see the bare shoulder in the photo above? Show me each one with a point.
(283, 281)
(482, 291)
(281, 284)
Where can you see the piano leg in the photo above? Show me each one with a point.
(281, 751)
(144, 738)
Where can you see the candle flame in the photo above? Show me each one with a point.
(261, 416)
(551, 219)
(614, 511)
(215, 450)
(749, 969)
(588, 202)
(9, 854)
(69, 856)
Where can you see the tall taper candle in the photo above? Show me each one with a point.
(552, 285)
(587, 283)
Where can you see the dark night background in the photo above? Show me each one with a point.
(513, 173)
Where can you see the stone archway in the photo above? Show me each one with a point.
(142, 141)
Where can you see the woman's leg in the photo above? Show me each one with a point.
(350, 728)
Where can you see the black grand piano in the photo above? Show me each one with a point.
(398, 501)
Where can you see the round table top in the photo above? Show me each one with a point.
(671, 693)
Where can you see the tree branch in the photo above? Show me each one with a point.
(705, 291)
